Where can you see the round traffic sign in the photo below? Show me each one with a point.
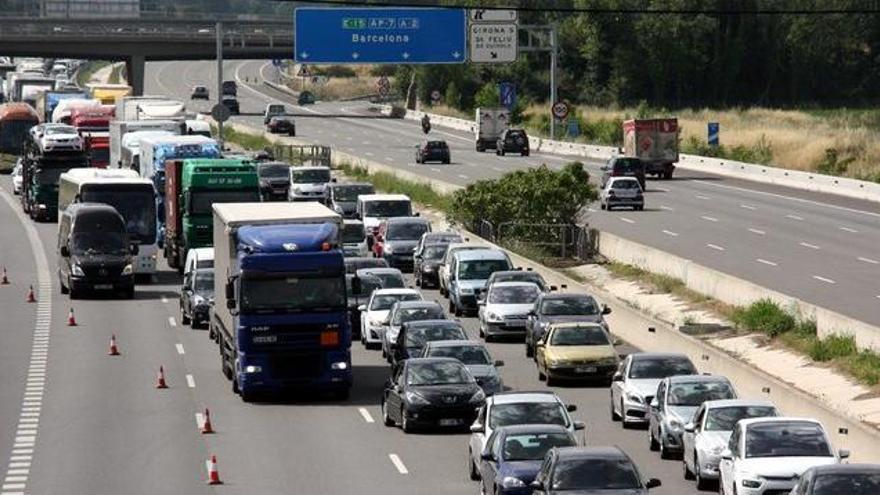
(435, 95)
(220, 112)
(560, 110)
(383, 91)
(383, 82)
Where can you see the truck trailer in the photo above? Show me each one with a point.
(120, 127)
(654, 142)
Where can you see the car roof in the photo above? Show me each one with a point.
(309, 167)
(352, 221)
(442, 234)
(417, 304)
(343, 185)
(421, 360)
(530, 428)
(624, 178)
(846, 468)
(433, 323)
(612, 452)
(380, 269)
(777, 419)
(515, 283)
(395, 292)
(383, 197)
(481, 254)
(455, 343)
(713, 404)
(644, 356)
(576, 324)
(528, 397)
(406, 220)
(697, 378)
(566, 295)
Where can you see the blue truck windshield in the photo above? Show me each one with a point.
(292, 293)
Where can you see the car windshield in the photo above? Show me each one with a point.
(353, 232)
(525, 413)
(94, 243)
(595, 474)
(660, 368)
(435, 252)
(204, 283)
(627, 165)
(202, 201)
(353, 265)
(847, 483)
(368, 285)
(438, 373)
(625, 184)
(467, 354)
(590, 335)
(276, 109)
(406, 231)
(569, 306)
(292, 293)
(136, 204)
(515, 134)
(273, 170)
(49, 175)
(695, 393)
(725, 418)
(416, 337)
(519, 277)
(404, 315)
(533, 446)
(517, 294)
(60, 129)
(388, 279)
(786, 439)
(481, 269)
(310, 176)
(387, 208)
(383, 302)
(351, 193)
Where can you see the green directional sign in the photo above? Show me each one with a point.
(354, 23)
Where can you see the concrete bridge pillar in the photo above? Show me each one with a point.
(135, 66)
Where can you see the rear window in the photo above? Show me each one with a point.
(625, 184)
(436, 144)
(516, 134)
(628, 166)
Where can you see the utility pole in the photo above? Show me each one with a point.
(218, 29)
(554, 54)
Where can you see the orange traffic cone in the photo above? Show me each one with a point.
(160, 380)
(213, 473)
(4, 280)
(31, 297)
(206, 426)
(113, 350)
(71, 320)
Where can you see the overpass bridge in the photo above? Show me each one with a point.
(148, 37)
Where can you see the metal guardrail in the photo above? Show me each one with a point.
(556, 239)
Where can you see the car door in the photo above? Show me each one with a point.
(489, 467)
(656, 413)
(617, 385)
(186, 294)
(726, 466)
(393, 401)
(475, 444)
(689, 439)
(399, 354)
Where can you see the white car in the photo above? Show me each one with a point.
(17, 178)
(375, 312)
(57, 137)
(708, 434)
(443, 270)
(308, 183)
(505, 310)
(768, 455)
(516, 408)
(622, 191)
(354, 239)
(636, 381)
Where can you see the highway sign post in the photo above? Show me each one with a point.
(380, 35)
(507, 95)
(714, 131)
(574, 127)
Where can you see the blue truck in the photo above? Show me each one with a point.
(280, 309)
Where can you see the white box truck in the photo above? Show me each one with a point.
(491, 124)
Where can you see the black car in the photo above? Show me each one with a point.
(414, 334)
(513, 141)
(195, 297)
(426, 264)
(352, 265)
(305, 98)
(231, 103)
(436, 392)
(199, 93)
(624, 166)
(835, 479)
(388, 278)
(561, 308)
(358, 293)
(606, 470)
(229, 88)
(342, 197)
(281, 125)
(433, 151)
(274, 180)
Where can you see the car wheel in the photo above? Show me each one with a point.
(614, 415)
(685, 470)
(501, 152)
(664, 449)
(702, 483)
(653, 445)
(541, 375)
(446, 161)
(529, 351)
(405, 425)
(472, 467)
(183, 318)
(626, 424)
(387, 420)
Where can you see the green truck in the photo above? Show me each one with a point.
(40, 174)
(192, 186)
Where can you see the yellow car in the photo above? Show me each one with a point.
(576, 351)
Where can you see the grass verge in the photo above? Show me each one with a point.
(116, 74)
(420, 192)
(87, 70)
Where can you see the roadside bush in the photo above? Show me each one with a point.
(760, 152)
(336, 71)
(764, 316)
(832, 347)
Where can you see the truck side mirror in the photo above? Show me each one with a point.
(133, 249)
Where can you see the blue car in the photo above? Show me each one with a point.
(514, 455)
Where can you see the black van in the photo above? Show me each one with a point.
(94, 252)
(624, 166)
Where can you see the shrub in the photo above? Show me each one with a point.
(336, 71)
(764, 316)
(832, 347)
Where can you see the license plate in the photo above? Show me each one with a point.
(516, 323)
(103, 286)
(450, 422)
(585, 369)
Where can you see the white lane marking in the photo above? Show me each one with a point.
(366, 415)
(14, 486)
(869, 260)
(661, 189)
(498, 169)
(200, 420)
(190, 381)
(666, 208)
(847, 229)
(756, 231)
(808, 245)
(591, 210)
(462, 176)
(180, 349)
(794, 217)
(172, 321)
(435, 170)
(164, 300)
(700, 196)
(365, 143)
(761, 260)
(389, 159)
(747, 207)
(715, 247)
(369, 153)
(401, 468)
(823, 279)
(670, 233)
(627, 220)
(709, 219)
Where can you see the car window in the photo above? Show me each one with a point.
(406, 231)
(309, 176)
(628, 165)
(695, 393)
(435, 252)
(438, 373)
(417, 337)
(654, 368)
(579, 336)
(469, 355)
(517, 294)
(417, 314)
(569, 306)
(383, 302)
(545, 413)
(725, 418)
(595, 474)
(480, 269)
(387, 208)
(847, 483)
(786, 439)
(353, 232)
(625, 184)
(533, 446)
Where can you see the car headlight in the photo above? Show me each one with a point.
(511, 482)
(128, 270)
(479, 396)
(428, 268)
(635, 398)
(416, 398)
(716, 450)
(198, 300)
(493, 317)
(675, 424)
(77, 271)
(466, 291)
(388, 248)
(297, 190)
(751, 483)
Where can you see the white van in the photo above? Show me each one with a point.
(373, 208)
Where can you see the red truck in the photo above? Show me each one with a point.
(654, 142)
(93, 124)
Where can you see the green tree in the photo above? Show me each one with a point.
(453, 95)
(487, 96)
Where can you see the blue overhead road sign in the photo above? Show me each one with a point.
(380, 35)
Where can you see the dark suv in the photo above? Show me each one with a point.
(624, 166)
(513, 141)
(433, 151)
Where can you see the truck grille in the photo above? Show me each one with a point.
(296, 367)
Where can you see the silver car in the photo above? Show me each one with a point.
(674, 405)
(474, 356)
(402, 312)
(635, 383)
(622, 191)
(446, 263)
(505, 310)
(17, 177)
(709, 433)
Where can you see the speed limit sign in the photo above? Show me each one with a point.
(560, 110)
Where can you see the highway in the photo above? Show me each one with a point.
(817, 247)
